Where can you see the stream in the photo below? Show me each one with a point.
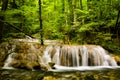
(20, 74)
(31, 61)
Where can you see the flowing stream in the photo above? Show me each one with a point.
(72, 62)
(79, 57)
(70, 57)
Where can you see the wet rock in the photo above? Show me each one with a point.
(50, 78)
(28, 55)
(27, 77)
(89, 77)
(5, 73)
(52, 65)
(20, 74)
(117, 58)
(44, 66)
(24, 64)
(4, 49)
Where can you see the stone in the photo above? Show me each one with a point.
(52, 65)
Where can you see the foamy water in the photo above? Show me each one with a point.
(82, 68)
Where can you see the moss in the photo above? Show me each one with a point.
(22, 47)
(23, 64)
(52, 65)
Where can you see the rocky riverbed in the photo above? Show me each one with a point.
(20, 74)
(27, 60)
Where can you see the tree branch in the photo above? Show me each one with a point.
(15, 27)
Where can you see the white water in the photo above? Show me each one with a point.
(82, 68)
(97, 56)
(67, 57)
(8, 61)
(80, 58)
(84, 53)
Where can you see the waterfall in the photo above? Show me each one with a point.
(8, 61)
(70, 56)
(84, 54)
(76, 56)
(56, 58)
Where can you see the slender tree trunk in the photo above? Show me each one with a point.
(4, 7)
(63, 6)
(14, 4)
(71, 14)
(81, 6)
(75, 15)
(0, 2)
(65, 12)
(4, 4)
(70, 19)
(116, 25)
(1, 27)
(55, 3)
(40, 20)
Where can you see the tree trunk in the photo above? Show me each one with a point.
(63, 6)
(0, 2)
(71, 14)
(4, 7)
(70, 19)
(75, 15)
(13, 4)
(81, 6)
(116, 25)
(55, 3)
(65, 12)
(40, 20)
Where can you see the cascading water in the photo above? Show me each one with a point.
(84, 56)
(8, 61)
(80, 57)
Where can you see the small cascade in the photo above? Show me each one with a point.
(10, 48)
(70, 56)
(46, 57)
(84, 54)
(76, 56)
(56, 58)
(8, 61)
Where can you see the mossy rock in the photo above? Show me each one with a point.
(22, 48)
(18, 56)
(52, 65)
(117, 58)
(23, 64)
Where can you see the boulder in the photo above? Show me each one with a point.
(117, 58)
(22, 64)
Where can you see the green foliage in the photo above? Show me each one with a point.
(24, 17)
(15, 35)
(89, 26)
(86, 22)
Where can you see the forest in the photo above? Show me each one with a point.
(71, 21)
